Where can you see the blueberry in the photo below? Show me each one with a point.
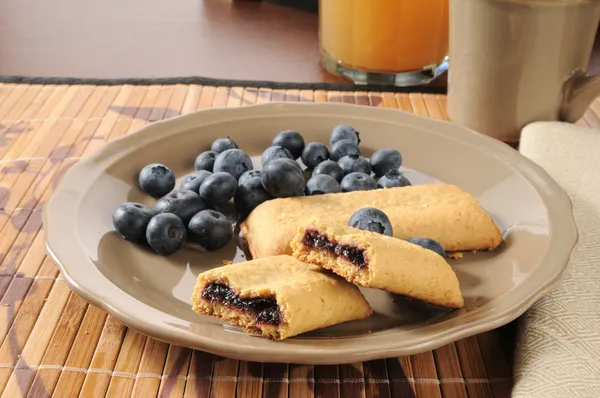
(322, 184)
(393, 178)
(384, 160)
(275, 152)
(371, 219)
(249, 175)
(314, 153)
(184, 204)
(354, 163)
(344, 132)
(205, 161)
(343, 148)
(283, 178)
(130, 221)
(210, 229)
(166, 234)
(290, 140)
(156, 180)
(330, 168)
(429, 244)
(250, 194)
(219, 188)
(222, 144)
(357, 182)
(234, 162)
(192, 181)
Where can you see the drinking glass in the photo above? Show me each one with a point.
(398, 42)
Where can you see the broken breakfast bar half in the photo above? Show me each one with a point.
(278, 297)
(377, 261)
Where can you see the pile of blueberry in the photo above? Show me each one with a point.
(375, 220)
(342, 168)
(225, 172)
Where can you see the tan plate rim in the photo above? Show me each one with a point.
(84, 278)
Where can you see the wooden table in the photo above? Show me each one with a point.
(154, 38)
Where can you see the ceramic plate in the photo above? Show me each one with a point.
(152, 293)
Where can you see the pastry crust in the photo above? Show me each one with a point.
(308, 297)
(442, 212)
(392, 264)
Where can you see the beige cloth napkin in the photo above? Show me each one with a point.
(558, 350)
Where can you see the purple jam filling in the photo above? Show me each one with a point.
(264, 309)
(352, 254)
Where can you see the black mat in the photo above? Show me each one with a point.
(221, 82)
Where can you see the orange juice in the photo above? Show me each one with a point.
(385, 36)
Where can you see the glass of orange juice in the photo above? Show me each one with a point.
(398, 42)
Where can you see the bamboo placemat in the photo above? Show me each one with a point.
(53, 343)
